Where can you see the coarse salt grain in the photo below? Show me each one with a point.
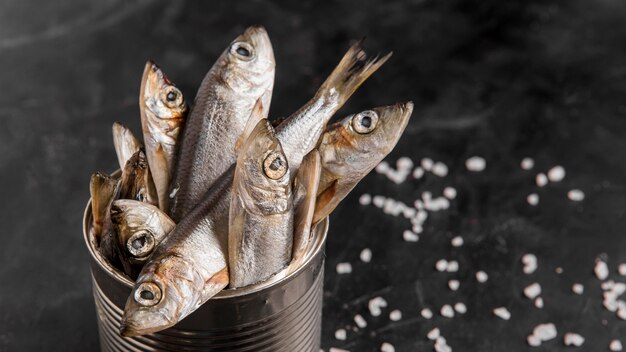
(475, 164)
(366, 255)
(541, 179)
(340, 334)
(440, 169)
(457, 241)
(433, 334)
(395, 315)
(532, 199)
(502, 313)
(601, 270)
(573, 339)
(533, 341)
(378, 201)
(427, 164)
(360, 321)
(454, 285)
(530, 263)
(382, 167)
(575, 195)
(441, 265)
(365, 199)
(558, 270)
(532, 291)
(375, 304)
(545, 332)
(615, 345)
(441, 345)
(621, 269)
(418, 173)
(344, 268)
(539, 302)
(426, 313)
(387, 347)
(404, 163)
(409, 236)
(449, 192)
(460, 308)
(481, 276)
(335, 349)
(527, 163)
(453, 266)
(578, 288)
(447, 311)
(556, 174)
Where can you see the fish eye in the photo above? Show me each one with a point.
(147, 294)
(172, 97)
(242, 50)
(275, 165)
(365, 122)
(141, 244)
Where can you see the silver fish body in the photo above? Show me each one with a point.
(186, 269)
(163, 110)
(125, 143)
(139, 227)
(352, 147)
(261, 210)
(243, 74)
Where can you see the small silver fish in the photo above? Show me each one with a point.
(125, 143)
(163, 110)
(261, 210)
(186, 269)
(352, 147)
(243, 74)
(136, 181)
(103, 189)
(305, 187)
(140, 227)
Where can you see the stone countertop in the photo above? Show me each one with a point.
(498, 80)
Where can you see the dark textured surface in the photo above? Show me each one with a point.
(499, 79)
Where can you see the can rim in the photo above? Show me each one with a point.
(279, 278)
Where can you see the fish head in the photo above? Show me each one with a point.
(357, 143)
(166, 291)
(249, 64)
(262, 174)
(160, 96)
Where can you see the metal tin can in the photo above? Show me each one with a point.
(279, 315)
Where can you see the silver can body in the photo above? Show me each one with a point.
(278, 315)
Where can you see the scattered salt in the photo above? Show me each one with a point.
(360, 321)
(541, 179)
(530, 263)
(375, 304)
(460, 308)
(457, 241)
(378, 201)
(426, 313)
(453, 266)
(556, 174)
(532, 291)
(533, 341)
(404, 163)
(573, 339)
(441, 345)
(527, 163)
(449, 192)
(615, 345)
(344, 268)
(447, 311)
(558, 270)
(578, 288)
(382, 167)
(576, 195)
(532, 199)
(427, 164)
(539, 302)
(440, 169)
(475, 164)
(387, 347)
(454, 285)
(441, 265)
(395, 315)
(481, 276)
(545, 332)
(365, 199)
(502, 313)
(622, 269)
(366, 255)
(409, 236)
(340, 334)
(418, 173)
(601, 270)
(433, 334)
(417, 229)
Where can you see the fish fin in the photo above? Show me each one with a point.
(160, 173)
(305, 187)
(125, 143)
(255, 116)
(103, 189)
(353, 69)
(325, 203)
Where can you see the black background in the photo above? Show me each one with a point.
(499, 79)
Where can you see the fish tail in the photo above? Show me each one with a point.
(353, 69)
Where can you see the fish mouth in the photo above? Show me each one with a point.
(151, 80)
(142, 322)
